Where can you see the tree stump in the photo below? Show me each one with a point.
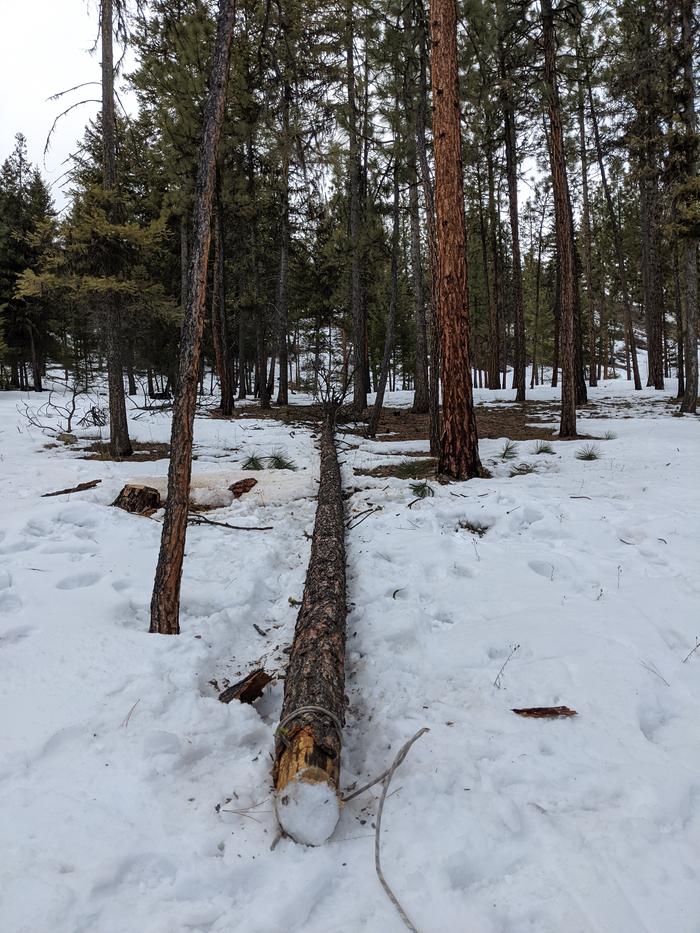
(307, 753)
(140, 500)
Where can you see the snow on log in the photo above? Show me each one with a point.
(307, 753)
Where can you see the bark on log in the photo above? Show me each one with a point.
(138, 499)
(242, 486)
(248, 689)
(307, 754)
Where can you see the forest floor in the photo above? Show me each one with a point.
(132, 799)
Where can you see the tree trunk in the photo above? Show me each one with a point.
(357, 308)
(119, 442)
(219, 328)
(496, 291)
(689, 246)
(587, 238)
(459, 445)
(564, 228)
(617, 240)
(393, 299)
(165, 603)
(307, 753)
(282, 296)
(429, 202)
(512, 178)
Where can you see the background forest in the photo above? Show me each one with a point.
(324, 202)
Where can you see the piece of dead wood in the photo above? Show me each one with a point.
(545, 712)
(242, 486)
(140, 500)
(194, 518)
(248, 689)
(81, 487)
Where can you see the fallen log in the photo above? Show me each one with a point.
(138, 499)
(248, 689)
(81, 487)
(307, 752)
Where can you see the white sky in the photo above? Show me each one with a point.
(45, 48)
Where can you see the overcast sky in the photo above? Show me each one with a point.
(45, 48)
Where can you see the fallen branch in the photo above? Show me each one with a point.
(194, 518)
(81, 487)
(545, 712)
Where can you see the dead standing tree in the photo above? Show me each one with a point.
(165, 603)
(307, 754)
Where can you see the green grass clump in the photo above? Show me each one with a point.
(543, 447)
(422, 490)
(278, 460)
(252, 462)
(523, 469)
(510, 451)
(588, 452)
(610, 436)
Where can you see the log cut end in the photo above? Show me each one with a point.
(308, 808)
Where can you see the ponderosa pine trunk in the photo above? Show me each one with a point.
(689, 244)
(617, 240)
(219, 324)
(459, 445)
(587, 237)
(421, 402)
(429, 203)
(564, 227)
(119, 442)
(283, 274)
(357, 307)
(393, 300)
(165, 603)
(512, 179)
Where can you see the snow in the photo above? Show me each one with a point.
(131, 799)
(308, 809)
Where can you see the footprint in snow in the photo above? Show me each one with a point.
(9, 602)
(14, 635)
(78, 581)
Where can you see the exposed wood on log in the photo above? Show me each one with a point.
(81, 487)
(242, 486)
(307, 754)
(138, 499)
(248, 689)
(545, 712)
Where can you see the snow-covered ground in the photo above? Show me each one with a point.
(131, 799)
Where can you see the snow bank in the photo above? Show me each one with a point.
(132, 799)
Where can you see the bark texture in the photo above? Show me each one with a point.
(138, 499)
(165, 603)
(564, 228)
(119, 442)
(459, 445)
(308, 746)
(617, 240)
